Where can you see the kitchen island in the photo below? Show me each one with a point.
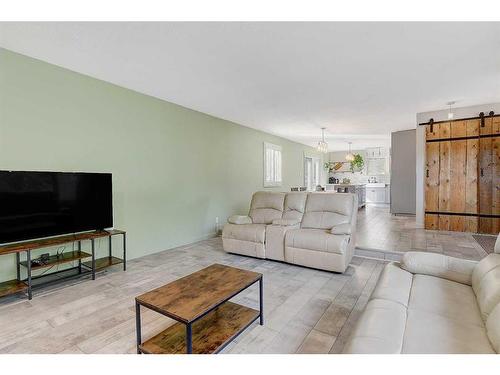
(359, 189)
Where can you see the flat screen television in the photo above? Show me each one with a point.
(42, 204)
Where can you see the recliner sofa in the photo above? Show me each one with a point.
(310, 229)
(432, 303)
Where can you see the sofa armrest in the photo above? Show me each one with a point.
(286, 222)
(239, 219)
(345, 228)
(445, 267)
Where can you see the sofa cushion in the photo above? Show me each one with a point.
(345, 228)
(316, 239)
(294, 207)
(245, 232)
(275, 240)
(427, 332)
(446, 298)
(325, 210)
(394, 284)
(486, 283)
(454, 269)
(286, 222)
(266, 206)
(239, 219)
(251, 249)
(493, 328)
(380, 330)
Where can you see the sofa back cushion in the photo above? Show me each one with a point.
(295, 204)
(486, 284)
(325, 210)
(266, 206)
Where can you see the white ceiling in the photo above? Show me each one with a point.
(359, 80)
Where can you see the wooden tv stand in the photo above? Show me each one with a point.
(90, 266)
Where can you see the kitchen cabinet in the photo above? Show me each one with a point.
(376, 152)
(376, 193)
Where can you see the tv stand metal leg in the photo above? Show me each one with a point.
(93, 258)
(18, 264)
(80, 260)
(124, 252)
(28, 264)
(110, 247)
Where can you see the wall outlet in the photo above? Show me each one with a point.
(217, 225)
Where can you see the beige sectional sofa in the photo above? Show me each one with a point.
(431, 303)
(309, 229)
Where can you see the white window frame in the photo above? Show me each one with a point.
(273, 158)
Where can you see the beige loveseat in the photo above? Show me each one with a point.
(431, 303)
(310, 229)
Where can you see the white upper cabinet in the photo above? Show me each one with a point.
(376, 152)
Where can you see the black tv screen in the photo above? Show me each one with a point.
(43, 204)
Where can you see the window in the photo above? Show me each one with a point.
(272, 165)
(311, 172)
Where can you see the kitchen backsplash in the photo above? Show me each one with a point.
(358, 178)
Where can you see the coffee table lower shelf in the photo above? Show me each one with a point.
(210, 334)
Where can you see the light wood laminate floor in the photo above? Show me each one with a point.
(378, 229)
(306, 311)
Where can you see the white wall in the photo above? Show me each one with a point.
(441, 115)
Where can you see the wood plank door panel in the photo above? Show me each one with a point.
(472, 127)
(432, 177)
(444, 176)
(471, 179)
(495, 176)
(495, 127)
(444, 130)
(471, 224)
(431, 221)
(457, 223)
(444, 222)
(458, 129)
(486, 225)
(485, 176)
(486, 126)
(458, 170)
(432, 132)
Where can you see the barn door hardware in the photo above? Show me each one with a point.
(481, 116)
(431, 123)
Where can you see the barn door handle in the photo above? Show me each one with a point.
(482, 172)
(427, 173)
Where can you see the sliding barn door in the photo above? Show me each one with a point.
(462, 187)
(489, 176)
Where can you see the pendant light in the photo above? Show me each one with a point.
(349, 156)
(450, 113)
(322, 145)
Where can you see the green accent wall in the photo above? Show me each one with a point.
(174, 169)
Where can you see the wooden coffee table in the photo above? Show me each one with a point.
(207, 321)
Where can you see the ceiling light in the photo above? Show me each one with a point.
(322, 145)
(350, 155)
(450, 113)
